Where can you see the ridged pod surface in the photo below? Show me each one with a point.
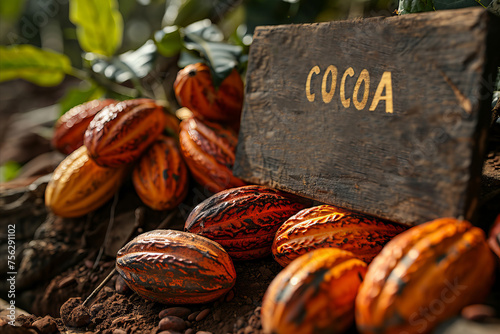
(244, 220)
(209, 151)
(70, 127)
(119, 133)
(194, 89)
(175, 267)
(314, 294)
(424, 276)
(79, 186)
(330, 226)
(160, 177)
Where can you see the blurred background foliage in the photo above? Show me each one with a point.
(112, 45)
(56, 54)
(72, 51)
(46, 23)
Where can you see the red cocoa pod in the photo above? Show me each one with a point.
(209, 151)
(494, 237)
(119, 133)
(330, 226)
(244, 220)
(70, 127)
(79, 186)
(424, 276)
(174, 267)
(160, 177)
(194, 89)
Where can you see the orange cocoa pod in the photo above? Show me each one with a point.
(174, 267)
(70, 127)
(160, 177)
(79, 186)
(172, 125)
(424, 276)
(314, 294)
(119, 133)
(209, 151)
(244, 220)
(330, 226)
(194, 89)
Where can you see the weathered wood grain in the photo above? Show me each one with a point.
(417, 161)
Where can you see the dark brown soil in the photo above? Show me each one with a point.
(61, 277)
(111, 310)
(117, 310)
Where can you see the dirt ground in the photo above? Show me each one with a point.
(111, 310)
(115, 306)
(61, 261)
(63, 272)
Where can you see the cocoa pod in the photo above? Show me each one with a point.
(160, 177)
(119, 133)
(330, 226)
(70, 127)
(244, 220)
(79, 186)
(175, 267)
(424, 276)
(172, 126)
(209, 151)
(194, 89)
(314, 294)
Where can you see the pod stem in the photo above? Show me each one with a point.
(99, 287)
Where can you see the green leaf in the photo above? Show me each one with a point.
(168, 41)
(42, 67)
(415, 6)
(221, 57)
(186, 58)
(193, 10)
(99, 25)
(129, 65)
(206, 30)
(11, 10)
(9, 171)
(206, 39)
(77, 96)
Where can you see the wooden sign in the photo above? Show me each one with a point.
(387, 116)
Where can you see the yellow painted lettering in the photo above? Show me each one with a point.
(345, 102)
(327, 96)
(310, 96)
(385, 82)
(363, 77)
